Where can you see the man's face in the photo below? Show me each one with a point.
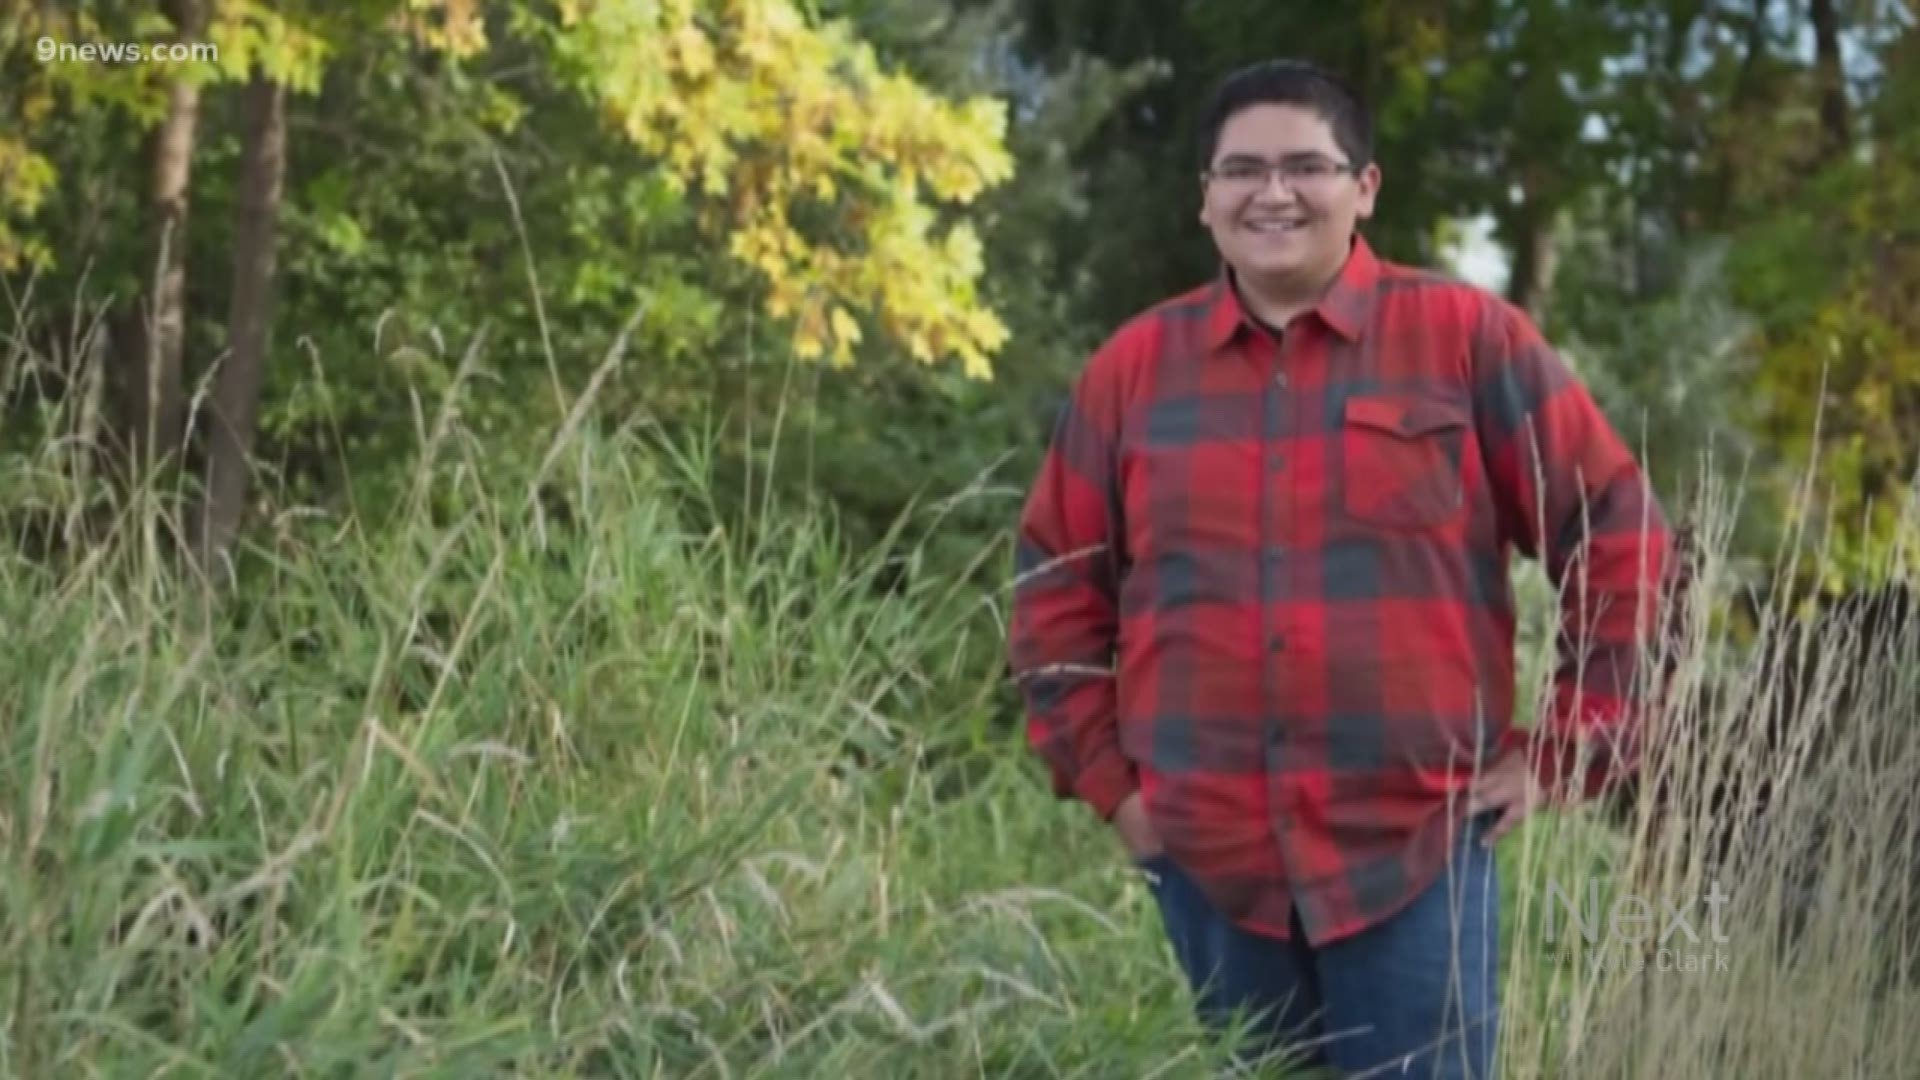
(1284, 227)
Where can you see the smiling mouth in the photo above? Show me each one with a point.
(1271, 227)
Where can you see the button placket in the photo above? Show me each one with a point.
(1278, 496)
(1275, 459)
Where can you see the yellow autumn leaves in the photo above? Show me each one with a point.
(821, 168)
(829, 177)
(26, 177)
(246, 36)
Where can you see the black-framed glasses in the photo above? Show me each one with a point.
(1296, 171)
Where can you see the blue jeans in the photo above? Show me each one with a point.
(1415, 996)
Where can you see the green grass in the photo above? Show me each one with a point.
(629, 796)
(652, 787)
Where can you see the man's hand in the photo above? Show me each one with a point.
(1136, 832)
(1507, 786)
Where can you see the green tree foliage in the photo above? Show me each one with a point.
(505, 184)
(1747, 279)
(1832, 270)
(1706, 200)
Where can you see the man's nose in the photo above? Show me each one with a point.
(1274, 189)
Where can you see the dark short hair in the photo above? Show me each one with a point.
(1290, 82)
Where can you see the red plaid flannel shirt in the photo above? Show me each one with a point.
(1265, 583)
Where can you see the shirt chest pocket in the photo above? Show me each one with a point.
(1401, 460)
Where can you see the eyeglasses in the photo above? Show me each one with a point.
(1298, 171)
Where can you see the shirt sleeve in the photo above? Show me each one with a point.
(1570, 494)
(1065, 607)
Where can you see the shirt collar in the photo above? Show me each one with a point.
(1345, 308)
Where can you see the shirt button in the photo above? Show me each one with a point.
(1279, 643)
(1280, 380)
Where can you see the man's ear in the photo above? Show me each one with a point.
(1369, 179)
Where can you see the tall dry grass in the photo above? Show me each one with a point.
(1750, 905)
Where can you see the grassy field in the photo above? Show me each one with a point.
(630, 781)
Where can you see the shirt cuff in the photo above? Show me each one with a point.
(1556, 761)
(1105, 781)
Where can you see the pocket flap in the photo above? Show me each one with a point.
(1405, 416)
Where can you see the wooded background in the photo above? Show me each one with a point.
(936, 206)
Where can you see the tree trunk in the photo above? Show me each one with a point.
(1834, 122)
(1755, 48)
(236, 394)
(1725, 172)
(148, 386)
(1535, 258)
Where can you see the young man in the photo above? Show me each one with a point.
(1262, 621)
